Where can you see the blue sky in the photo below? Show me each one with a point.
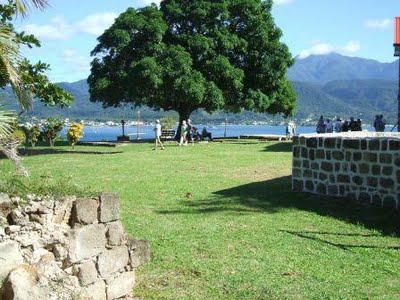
(362, 28)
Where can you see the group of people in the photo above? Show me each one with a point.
(187, 133)
(329, 126)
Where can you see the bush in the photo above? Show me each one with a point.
(33, 134)
(168, 122)
(18, 135)
(51, 130)
(75, 133)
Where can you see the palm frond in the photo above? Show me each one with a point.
(7, 118)
(10, 59)
(24, 6)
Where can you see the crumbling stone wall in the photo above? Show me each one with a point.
(68, 248)
(363, 166)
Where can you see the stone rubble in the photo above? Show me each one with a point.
(68, 248)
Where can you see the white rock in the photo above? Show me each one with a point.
(10, 257)
(121, 286)
(111, 261)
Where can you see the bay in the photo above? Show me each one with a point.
(110, 133)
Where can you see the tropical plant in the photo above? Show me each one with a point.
(75, 133)
(51, 129)
(33, 134)
(168, 122)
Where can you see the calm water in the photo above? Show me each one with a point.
(110, 133)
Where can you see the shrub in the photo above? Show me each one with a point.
(75, 133)
(33, 134)
(51, 130)
(168, 122)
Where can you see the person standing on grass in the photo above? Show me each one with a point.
(184, 131)
(157, 131)
(190, 132)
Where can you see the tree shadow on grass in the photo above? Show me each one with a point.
(275, 195)
(34, 152)
(279, 147)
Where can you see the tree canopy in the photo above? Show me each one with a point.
(186, 55)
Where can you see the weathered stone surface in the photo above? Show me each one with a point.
(304, 152)
(338, 155)
(333, 190)
(111, 261)
(312, 143)
(96, 291)
(307, 173)
(86, 242)
(343, 178)
(109, 207)
(394, 145)
(374, 145)
(370, 157)
(330, 143)
(387, 170)
(364, 198)
(296, 163)
(385, 158)
(297, 185)
(328, 167)
(296, 173)
(376, 170)
(62, 210)
(372, 181)
(22, 284)
(364, 168)
(4, 198)
(12, 229)
(376, 200)
(320, 154)
(139, 252)
(86, 272)
(17, 217)
(296, 151)
(121, 286)
(115, 233)
(85, 211)
(10, 257)
(386, 183)
(306, 164)
(351, 144)
(309, 186)
(311, 154)
(357, 156)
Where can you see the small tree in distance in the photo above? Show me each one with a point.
(51, 129)
(188, 55)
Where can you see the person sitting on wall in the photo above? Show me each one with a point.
(353, 126)
(206, 135)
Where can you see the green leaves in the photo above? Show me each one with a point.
(194, 54)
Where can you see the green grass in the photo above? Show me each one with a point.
(223, 223)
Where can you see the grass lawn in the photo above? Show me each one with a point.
(223, 223)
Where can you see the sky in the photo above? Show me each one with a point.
(362, 28)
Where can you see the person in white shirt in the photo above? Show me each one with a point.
(157, 131)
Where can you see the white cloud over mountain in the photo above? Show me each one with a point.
(325, 48)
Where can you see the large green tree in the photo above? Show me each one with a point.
(186, 55)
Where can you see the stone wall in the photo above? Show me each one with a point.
(362, 166)
(66, 248)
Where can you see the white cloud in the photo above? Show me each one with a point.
(282, 2)
(324, 48)
(379, 24)
(60, 29)
(57, 29)
(97, 23)
(75, 61)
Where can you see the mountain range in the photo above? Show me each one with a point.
(329, 85)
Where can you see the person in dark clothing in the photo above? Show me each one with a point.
(345, 126)
(353, 124)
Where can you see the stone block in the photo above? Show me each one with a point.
(354, 168)
(307, 173)
(333, 190)
(372, 182)
(384, 145)
(358, 180)
(348, 155)
(397, 161)
(109, 207)
(374, 145)
(296, 151)
(311, 154)
(387, 170)
(376, 200)
(338, 155)
(376, 170)
(320, 154)
(296, 173)
(121, 286)
(364, 168)
(63, 209)
(320, 142)
(338, 166)
(85, 211)
(304, 152)
(386, 183)
(23, 283)
(10, 257)
(314, 166)
(296, 163)
(302, 141)
(328, 155)
(86, 242)
(351, 144)
(297, 185)
(343, 178)
(312, 143)
(385, 158)
(330, 143)
(339, 143)
(96, 291)
(364, 145)
(326, 166)
(370, 157)
(115, 233)
(323, 176)
(394, 145)
(306, 164)
(86, 272)
(296, 140)
(113, 260)
(139, 252)
(321, 189)
(357, 156)
(309, 186)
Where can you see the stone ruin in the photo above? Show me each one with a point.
(361, 166)
(68, 248)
